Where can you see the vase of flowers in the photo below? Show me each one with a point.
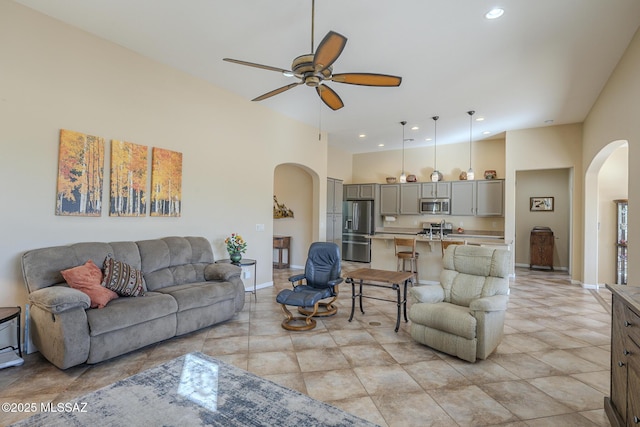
(236, 246)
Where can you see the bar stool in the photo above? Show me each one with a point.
(406, 251)
(446, 243)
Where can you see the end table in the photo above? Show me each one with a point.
(7, 314)
(244, 262)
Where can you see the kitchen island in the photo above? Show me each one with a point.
(430, 249)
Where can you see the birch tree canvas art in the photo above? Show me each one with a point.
(128, 196)
(80, 174)
(166, 182)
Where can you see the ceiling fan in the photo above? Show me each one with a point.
(315, 69)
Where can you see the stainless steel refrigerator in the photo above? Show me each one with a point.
(357, 223)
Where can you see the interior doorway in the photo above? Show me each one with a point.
(297, 188)
(606, 179)
(544, 183)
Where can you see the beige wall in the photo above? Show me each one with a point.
(340, 164)
(614, 118)
(452, 159)
(57, 77)
(553, 147)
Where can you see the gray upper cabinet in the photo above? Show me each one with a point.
(490, 197)
(390, 199)
(436, 190)
(463, 198)
(479, 198)
(410, 199)
(360, 191)
(334, 195)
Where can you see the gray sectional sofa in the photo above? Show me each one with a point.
(185, 291)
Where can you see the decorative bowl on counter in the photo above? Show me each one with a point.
(411, 178)
(391, 180)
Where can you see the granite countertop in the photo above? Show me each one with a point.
(470, 239)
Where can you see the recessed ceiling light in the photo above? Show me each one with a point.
(486, 132)
(415, 128)
(428, 139)
(480, 119)
(380, 145)
(494, 13)
(362, 135)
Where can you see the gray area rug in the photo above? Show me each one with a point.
(194, 390)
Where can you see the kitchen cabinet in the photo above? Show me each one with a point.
(490, 197)
(410, 199)
(622, 406)
(441, 190)
(477, 198)
(334, 195)
(334, 211)
(390, 199)
(463, 198)
(541, 247)
(360, 191)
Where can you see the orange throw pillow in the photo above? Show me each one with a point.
(87, 278)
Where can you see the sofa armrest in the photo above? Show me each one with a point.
(57, 299)
(492, 303)
(427, 293)
(221, 272)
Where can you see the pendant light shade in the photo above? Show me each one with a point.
(435, 175)
(470, 174)
(403, 177)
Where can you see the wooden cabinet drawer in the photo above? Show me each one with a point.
(632, 326)
(281, 242)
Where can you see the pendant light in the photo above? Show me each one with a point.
(470, 174)
(435, 175)
(403, 177)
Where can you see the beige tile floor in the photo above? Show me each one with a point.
(552, 368)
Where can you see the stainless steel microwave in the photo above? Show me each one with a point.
(435, 206)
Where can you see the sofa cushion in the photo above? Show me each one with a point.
(174, 260)
(200, 294)
(87, 278)
(123, 278)
(442, 316)
(125, 312)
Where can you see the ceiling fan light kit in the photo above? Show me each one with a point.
(315, 69)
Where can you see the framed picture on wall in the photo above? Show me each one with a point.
(541, 204)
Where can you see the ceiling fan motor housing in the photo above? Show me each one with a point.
(302, 67)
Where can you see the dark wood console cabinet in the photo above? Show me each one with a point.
(622, 406)
(541, 247)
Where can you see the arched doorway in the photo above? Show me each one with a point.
(297, 187)
(593, 208)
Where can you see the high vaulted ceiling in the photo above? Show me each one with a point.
(542, 61)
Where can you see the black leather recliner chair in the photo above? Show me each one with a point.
(322, 277)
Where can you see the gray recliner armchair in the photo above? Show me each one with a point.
(464, 314)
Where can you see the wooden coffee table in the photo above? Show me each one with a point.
(381, 279)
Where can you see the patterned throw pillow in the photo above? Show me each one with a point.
(122, 278)
(87, 278)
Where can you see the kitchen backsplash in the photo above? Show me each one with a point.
(466, 222)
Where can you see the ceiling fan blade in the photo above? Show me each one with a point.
(329, 97)
(252, 64)
(276, 91)
(328, 50)
(367, 79)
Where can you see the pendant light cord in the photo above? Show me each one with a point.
(435, 142)
(470, 113)
(403, 123)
